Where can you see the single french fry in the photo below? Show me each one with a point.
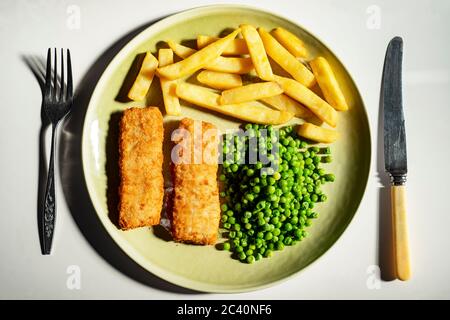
(316, 133)
(254, 111)
(302, 94)
(254, 91)
(219, 80)
(197, 95)
(144, 79)
(168, 87)
(197, 60)
(236, 65)
(235, 48)
(180, 50)
(257, 52)
(285, 59)
(284, 102)
(291, 42)
(328, 83)
(231, 65)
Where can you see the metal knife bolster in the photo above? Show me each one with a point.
(398, 179)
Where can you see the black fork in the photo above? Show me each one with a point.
(57, 102)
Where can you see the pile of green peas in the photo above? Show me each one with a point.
(263, 209)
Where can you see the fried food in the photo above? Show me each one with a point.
(168, 87)
(254, 91)
(144, 79)
(286, 60)
(257, 52)
(284, 102)
(252, 111)
(316, 133)
(219, 80)
(238, 65)
(236, 48)
(197, 60)
(291, 42)
(196, 206)
(305, 96)
(328, 83)
(140, 163)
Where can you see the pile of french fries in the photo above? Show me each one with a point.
(270, 99)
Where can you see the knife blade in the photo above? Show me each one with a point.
(395, 159)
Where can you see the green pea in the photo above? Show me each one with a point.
(288, 227)
(268, 236)
(279, 245)
(250, 197)
(270, 189)
(242, 256)
(271, 181)
(327, 159)
(250, 259)
(268, 253)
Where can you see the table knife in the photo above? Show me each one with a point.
(395, 159)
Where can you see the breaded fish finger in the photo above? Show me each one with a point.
(141, 188)
(196, 206)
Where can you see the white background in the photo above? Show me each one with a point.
(30, 27)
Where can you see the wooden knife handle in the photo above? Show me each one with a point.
(400, 230)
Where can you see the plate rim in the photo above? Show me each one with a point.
(124, 245)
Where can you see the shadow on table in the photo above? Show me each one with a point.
(385, 238)
(74, 185)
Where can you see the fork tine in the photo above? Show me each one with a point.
(69, 76)
(55, 76)
(61, 89)
(48, 74)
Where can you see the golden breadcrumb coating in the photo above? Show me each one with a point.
(141, 188)
(196, 206)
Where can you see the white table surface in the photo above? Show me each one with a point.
(351, 28)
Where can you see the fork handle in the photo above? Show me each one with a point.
(49, 210)
(400, 232)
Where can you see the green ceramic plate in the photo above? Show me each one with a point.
(205, 268)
